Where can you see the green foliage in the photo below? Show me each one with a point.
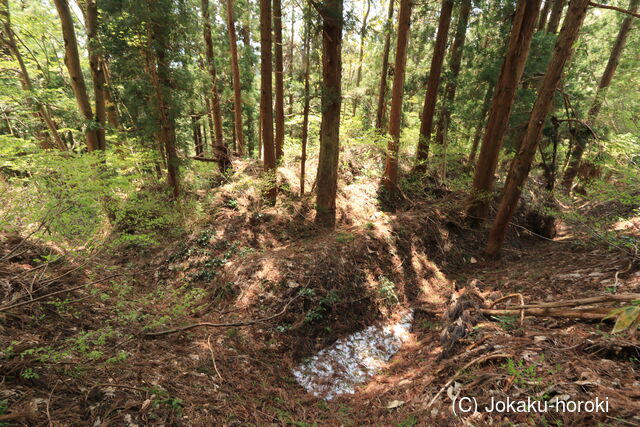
(524, 374)
(76, 199)
(627, 317)
(387, 290)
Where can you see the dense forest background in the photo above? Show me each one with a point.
(196, 157)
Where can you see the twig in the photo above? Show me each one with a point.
(457, 374)
(223, 325)
(20, 304)
(122, 386)
(49, 404)
(213, 359)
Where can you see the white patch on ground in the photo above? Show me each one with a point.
(351, 361)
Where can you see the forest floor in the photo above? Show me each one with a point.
(85, 357)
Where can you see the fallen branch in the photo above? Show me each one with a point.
(576, 302)
(223, 325)
(520, 297)
(617, 9)
(589, 313)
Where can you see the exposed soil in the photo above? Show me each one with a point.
(82, 357)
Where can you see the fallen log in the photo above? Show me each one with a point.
(589, 314)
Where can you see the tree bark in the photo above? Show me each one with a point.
(291, 61)
(390, 178)
(555, 17)
(305, 110)
(220, 150)
(110, 102)
(160, 72)
(327, 178)
(544, 15)
(97, 70)
(581, 142)
(72, 61)
(279, 68)
(521, 164)
(363, 33)
(197, 136)
(42, 112)
(266, 99)
(444, 119)
(522, 29)
(237, 98)
(428, 110)
(382, 92)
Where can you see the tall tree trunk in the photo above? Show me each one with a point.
(109, 97)
(266, 99)
(384, 72)
(72, 61)
(160, 72)
(544, 15)
(390, 179)
(555, 17)
(307, 98)
(42, 112)
(428, 110)
(327, 179)
(363, 33)
(521, 164)
(291, 61)
(197, 136)
(237, 98)
(480, 126)
(444, 119)
(97, 70)
(279, 107)
(584, 136)
(220, 151)
(524, 23)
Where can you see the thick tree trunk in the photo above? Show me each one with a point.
(384, 72)
(521, 164)
(327, 178)
(266, 99)
(220, 151)
(279, 107)
(42, 112)
(444, 119)
(390, 179)
(544, 15)
(363, 34)
(581, 142)
(555, 17)
(97, 70)
(237, 98)
(72, 61)
(305, 110)
(428, 110)
(480, 126)
(522, 29)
